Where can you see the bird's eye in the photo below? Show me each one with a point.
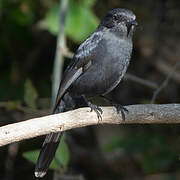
(115, 18)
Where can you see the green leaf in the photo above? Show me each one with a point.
(30, 94)
(62, 155)
(89, 3)
(61, 158)
(31, 155)
(80, 21)
(52, 19)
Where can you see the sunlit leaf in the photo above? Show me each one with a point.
(80, 21)
(52, 19)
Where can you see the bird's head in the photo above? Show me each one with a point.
(122, 20)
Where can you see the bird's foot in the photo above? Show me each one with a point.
(122, 109)
(97, 109)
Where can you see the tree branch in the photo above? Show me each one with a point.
(138, 114)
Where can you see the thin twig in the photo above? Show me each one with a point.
(141, 81)
(58, 63)
(138, 114)
(164, 83)
(165, 68)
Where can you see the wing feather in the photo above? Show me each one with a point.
(81, 61)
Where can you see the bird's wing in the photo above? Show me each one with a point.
(81, 61)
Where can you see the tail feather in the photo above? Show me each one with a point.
(52, 140)
(47, 153)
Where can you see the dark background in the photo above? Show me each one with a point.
(28, 32)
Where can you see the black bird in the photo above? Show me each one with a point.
(95, 70)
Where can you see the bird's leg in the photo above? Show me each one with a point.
(119, 107)
(94, 107)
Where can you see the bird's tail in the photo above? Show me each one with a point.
(50, 144)
(52, 140)
(47, 153)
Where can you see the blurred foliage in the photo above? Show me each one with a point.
(11, 105)
(61, 158)
(80, 21)
(30, 94)
(153, 153)
(15, 19)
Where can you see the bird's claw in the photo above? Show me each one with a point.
(97, 110)
(122, 109)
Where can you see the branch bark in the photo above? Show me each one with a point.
(138, 114)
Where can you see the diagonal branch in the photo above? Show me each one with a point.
(165, 82)
(138, 114)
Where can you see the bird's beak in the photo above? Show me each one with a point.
(129, 26)
(134, 23)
